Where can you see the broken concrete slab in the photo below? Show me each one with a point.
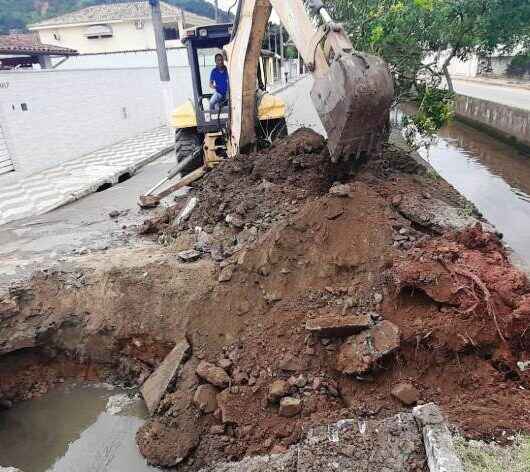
(392, 444)
(360, 353)
(338, 326)
(271, 463)
(154, 388)
(439, 447)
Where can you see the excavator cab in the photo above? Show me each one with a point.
(204, 132)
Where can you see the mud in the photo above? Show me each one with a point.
(278, 249)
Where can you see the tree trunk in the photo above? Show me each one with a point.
(448, 79)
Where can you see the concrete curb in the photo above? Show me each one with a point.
(441, 454)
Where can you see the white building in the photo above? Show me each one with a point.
(115, 27)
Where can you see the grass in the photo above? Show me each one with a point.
(479, 456)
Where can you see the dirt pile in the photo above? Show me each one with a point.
(319, 296)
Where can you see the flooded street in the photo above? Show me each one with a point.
(494, 176)
(74, 429)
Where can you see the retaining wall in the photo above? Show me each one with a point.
(507, 123)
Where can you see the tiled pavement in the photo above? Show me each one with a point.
(74, 179)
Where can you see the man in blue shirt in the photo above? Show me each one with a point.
(219, 83)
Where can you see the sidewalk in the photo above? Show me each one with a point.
(500, 82)
(72, 180)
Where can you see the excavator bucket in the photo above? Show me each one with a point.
(353, 100)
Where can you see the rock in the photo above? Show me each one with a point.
(523, 365)
(290, 407)
(239, 377)
(189, 256)
(114, 214)
(205, 398)
(226, 274)
(278, 449)
(154, 388)
(336, 325)
(9, 469)
(290, 364)
(156, 441)
(6, 404)
(406, 393)
(396, 200)
(213, 374)
(340, 190)
(204, 241)
(277, 390)
(378, 298)
(217, 429)
(224, 363)
(361, 352)
(234, 221)
(300, 381)
(441, 454)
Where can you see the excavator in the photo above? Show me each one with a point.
(352, 91)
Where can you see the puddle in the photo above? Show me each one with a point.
(76, 428)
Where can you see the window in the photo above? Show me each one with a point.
(171, 33)
(99, 31)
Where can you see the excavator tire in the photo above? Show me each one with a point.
(186, 143)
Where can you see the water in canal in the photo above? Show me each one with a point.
(492, 175)
(77, 428)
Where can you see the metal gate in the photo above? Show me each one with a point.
(6, 164)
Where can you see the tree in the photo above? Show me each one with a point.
(420, 38)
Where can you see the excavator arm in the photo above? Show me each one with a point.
(352, 91)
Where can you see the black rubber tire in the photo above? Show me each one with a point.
(186, 143)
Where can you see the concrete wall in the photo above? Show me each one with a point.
(126, 37)
(49, 117)
(508, 123)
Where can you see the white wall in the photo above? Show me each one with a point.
(74, 112)
(126, 37)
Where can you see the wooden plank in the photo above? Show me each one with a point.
(184, 182)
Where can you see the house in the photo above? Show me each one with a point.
(25, 50)
(115, 27)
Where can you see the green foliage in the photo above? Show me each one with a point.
(478, 456)
(419, 38)
(435, 110)
(520, 65)
(16, 14)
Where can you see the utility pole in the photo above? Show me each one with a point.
(168, 94)
(161, 52)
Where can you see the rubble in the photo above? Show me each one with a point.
(156, 385)
(361, 353)
(213, 374)
(406, 393)
(205, 398)
(339, 326)
(190, 255)
(290, 407)
(277, 390)
(317, 282)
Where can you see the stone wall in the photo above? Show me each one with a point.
(507, 123)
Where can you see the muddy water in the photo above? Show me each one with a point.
(74, 429)
(493, 175)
